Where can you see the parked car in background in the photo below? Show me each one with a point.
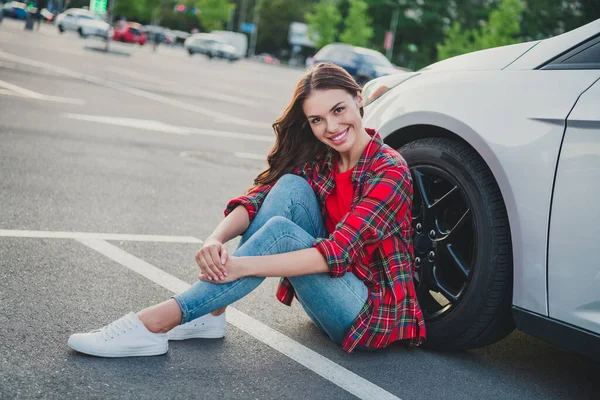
(180, 36)
(15, 10)
(503, 147)
(159, 34)
(236, 39)
(130, 32)
(210, 45)
(84, 22)
(267, 59)
(362, 63)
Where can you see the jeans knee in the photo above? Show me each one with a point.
(293, 186)
(277, 224)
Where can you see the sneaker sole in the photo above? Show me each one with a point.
(195, 335)
(145, 352)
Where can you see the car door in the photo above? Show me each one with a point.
(573, 262)
(69, 22)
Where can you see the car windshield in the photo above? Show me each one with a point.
(374, 58)
(135, 31)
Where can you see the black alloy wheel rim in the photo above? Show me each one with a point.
(444, 240)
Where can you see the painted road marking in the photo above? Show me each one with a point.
(215, 115)
(22, 92)
(198, 93)
(98, 236)
(310, 359)
(342, 377)
(251, 156)
(158, 126)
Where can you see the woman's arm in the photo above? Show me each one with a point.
(300, 262)
(231, 226)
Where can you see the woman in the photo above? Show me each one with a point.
(331, 214)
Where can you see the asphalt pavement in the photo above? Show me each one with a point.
(113, 168)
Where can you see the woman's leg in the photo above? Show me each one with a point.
(276, 236)
(292, 198)
(332, 303)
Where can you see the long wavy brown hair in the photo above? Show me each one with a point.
(295, 143)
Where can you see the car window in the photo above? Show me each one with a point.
(374, 58)
(584, 56)
(135, 31)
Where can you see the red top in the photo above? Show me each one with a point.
(374, 242)
(338, 203)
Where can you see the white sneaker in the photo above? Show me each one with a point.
(206, 327)
(126, 337)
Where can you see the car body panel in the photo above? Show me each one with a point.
(573, 271)
(520, 144)
(549, 48)
(490, 59)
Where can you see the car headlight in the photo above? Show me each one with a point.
(376, 88)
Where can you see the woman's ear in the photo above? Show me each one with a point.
(359, 100)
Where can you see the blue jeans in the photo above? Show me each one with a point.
(288, 220)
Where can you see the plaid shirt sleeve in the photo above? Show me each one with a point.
(251, 201)
(369, 221)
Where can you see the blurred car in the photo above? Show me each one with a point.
(15, 10)
(159, 34)
(130, 32)
(503, 147)
(362, 63)
(267, 59)
(84, 22)
(211, 46)
(180, 36)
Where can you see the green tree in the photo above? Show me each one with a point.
(358, 31)
(214, 14)
(458, 41)
(323, 23)
(503, 28)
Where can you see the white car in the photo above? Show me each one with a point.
(504, 150)
(84, 22)
(210, 45)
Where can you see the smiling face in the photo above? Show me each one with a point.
(334, 117)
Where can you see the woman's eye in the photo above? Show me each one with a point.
(315, 120)
(338, 110)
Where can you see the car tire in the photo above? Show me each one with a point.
(81, 34)
(481, 314)
(190, 52)
(61, 29)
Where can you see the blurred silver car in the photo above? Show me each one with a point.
(211, 46)
(504, 150)
(84, 22)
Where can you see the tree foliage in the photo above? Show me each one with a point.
(214, 14)
(323, 23)
(503, 28)
(357, 31)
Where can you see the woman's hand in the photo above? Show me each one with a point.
(212, 259)
(235, 271)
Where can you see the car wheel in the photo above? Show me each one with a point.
(80, 31)
(61, 29)
(462, 244)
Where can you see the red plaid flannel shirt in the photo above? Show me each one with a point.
(373, 241)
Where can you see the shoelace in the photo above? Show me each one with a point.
(117, 328)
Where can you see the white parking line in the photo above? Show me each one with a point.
(99, 236)
(342, 377)
(218, 116)
(152, 125)
(170, 84)
(251, 156)
(22, 92)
